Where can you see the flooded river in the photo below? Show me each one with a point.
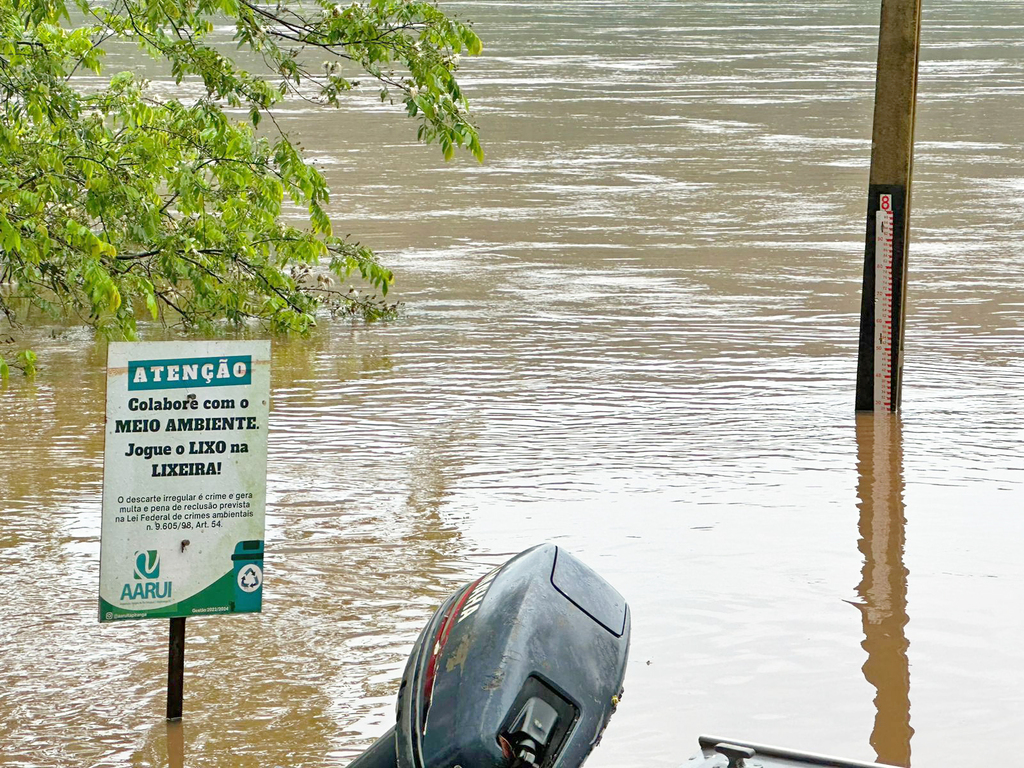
(632, 332)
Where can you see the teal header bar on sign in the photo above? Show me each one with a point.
(189, 372)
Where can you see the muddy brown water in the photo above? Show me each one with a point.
(631, 332)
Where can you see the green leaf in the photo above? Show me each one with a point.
(473, 43)
(27, 358)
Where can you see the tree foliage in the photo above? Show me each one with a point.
(116, 204)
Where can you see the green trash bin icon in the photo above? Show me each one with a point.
(248, 562)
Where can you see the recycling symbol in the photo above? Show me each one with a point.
(250, 578)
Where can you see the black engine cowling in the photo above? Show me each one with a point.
(519, 669)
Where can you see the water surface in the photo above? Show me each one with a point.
(631, 332)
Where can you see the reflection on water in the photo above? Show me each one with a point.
(175, 745)
(883, 587)
(632, 332)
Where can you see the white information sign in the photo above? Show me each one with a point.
(184, 479)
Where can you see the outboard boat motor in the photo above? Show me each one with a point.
(519, 669)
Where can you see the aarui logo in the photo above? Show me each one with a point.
(147, 564)
(145, 585)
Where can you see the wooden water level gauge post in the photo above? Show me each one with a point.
(883, 306)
